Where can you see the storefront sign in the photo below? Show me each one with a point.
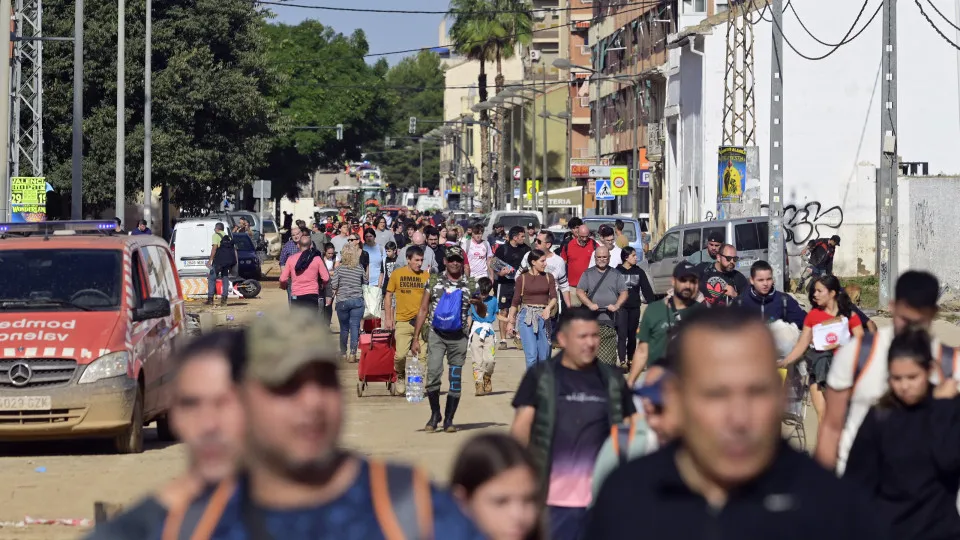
(579, 171)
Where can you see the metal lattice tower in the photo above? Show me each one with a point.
(26, 129)
(739, 111)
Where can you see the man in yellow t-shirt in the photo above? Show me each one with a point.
(407, 285)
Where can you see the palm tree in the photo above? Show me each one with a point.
(470, 34)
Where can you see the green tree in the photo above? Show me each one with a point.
(212, 121)
(490, 30)
(472, 35)
(325, 82)
(416, 83)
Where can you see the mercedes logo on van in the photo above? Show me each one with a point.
(20, 374)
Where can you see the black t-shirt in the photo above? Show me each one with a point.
(637, 285)
(713, 284)
(582, 426)
(512, 256)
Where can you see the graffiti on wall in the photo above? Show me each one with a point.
(810, 221)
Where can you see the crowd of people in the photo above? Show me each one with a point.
(665, 424)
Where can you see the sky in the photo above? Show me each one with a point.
(385, 31)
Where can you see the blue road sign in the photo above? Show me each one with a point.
(603, 190)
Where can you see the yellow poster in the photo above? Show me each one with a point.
(532, 187)
(28, 198)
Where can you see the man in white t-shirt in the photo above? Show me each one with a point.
(853, 388)
(479, 254)
(608, 238)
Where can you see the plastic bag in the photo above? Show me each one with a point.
(372, 302)
(785, 335)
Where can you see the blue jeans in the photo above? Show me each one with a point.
(536, 345)
(223, 272)
(350, 313)
(566, 523)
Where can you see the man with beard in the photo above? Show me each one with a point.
(660, 322)
(729, 474)
(298, 482)
(708, 255)
(720, 282)
(206, 417)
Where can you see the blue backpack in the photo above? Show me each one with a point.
(448, 315)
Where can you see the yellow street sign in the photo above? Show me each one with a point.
(532, 187)
(619, 181)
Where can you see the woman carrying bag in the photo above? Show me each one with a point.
(533, 305)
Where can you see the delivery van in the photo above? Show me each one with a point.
(89, 322)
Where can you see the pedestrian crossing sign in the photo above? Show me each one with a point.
(603, 192)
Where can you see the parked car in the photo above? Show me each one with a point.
(271, 236)
(192, 242)
(248, 263)
(88, 324)
(748, 235)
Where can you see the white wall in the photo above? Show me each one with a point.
(832, 117)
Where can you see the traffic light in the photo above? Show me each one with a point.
(413, 125)
(339, 132)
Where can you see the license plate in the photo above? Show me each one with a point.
(195, 263)
(25, 403)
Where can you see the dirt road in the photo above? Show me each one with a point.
(77, 474)
(74, 475)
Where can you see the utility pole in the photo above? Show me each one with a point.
(543, 184)
(148, 127)
(887, 182)
(6, 17)
(121, 111)
(634, 183)
(775, 247)
(421, 162)
(76, 186)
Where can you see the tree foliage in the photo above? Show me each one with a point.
(325, 82)
(416, 84)
(213, 120)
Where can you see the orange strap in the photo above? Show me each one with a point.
(615, 435)
(383, 506)
(208, 521)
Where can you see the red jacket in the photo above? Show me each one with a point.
(577, 258)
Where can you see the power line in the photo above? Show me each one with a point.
(942, 16)
(436, 12)
(842, 41)
(934, 26)
(643, 5)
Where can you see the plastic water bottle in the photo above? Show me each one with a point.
(414, 376)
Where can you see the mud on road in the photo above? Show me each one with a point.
(76, 474)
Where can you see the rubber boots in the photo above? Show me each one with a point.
(487, 384)
(435, 418)
(451, 410)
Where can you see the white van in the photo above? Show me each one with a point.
(191, 244)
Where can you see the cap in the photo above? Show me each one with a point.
(836, 239)
(653, 392)
(279, 345)
(453, 251)
(716, 236)
(685, 269)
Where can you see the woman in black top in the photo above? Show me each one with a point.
(639, 292)
(907, 451)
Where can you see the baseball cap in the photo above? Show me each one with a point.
(836, 239)
(453, 251)
(280, 344)
(685, 269)
(716, 236)
(653, 392)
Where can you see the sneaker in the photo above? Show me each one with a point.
(223, 301)
(209, 302)
(400, 388)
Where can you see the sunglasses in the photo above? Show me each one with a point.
(353, 239)
(734, 258)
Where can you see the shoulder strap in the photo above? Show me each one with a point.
(523, 285)
(596, 287)
(621, 437)
(197, 519)
(401, 501)
(865, 346)
(783, 300)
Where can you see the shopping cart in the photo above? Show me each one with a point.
(795, 381)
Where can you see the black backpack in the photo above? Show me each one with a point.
(226, 254)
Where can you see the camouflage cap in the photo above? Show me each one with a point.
(281, 343)
(453, 251)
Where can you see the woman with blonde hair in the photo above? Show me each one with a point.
(347, 284)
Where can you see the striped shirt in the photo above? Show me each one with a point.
(348, 281)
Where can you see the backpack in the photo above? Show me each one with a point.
(225, 256)
(402, 506)
(448, 315)
(947, 361)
